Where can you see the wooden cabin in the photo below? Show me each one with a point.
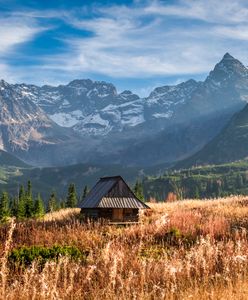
(112, 199)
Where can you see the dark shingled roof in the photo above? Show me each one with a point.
(97, 197)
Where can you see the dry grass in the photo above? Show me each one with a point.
(182, 250)
(61, 214)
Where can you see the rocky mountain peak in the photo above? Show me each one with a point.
(128, 96)
(92, 88)
(229, 68)
(228, 56)
(3, 84)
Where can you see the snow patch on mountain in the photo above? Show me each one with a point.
(163, 115)
(67, 119)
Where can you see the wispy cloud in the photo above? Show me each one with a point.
(211, 11)
(14, 31)
(147, 41)
(144, 40)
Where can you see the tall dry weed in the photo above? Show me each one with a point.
(181, 250)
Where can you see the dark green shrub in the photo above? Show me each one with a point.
(24, 256)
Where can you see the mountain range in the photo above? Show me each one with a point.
(88, 121)
(230, 145)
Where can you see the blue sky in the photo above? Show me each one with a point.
(136, 44)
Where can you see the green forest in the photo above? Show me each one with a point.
(25, 205)
(199, 182)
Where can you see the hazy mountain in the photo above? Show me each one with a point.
(8, 160)
(89, 107)
(229, 145)
(89, 121)
(28, 132)
(191, 114)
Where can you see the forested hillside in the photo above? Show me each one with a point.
(200, 182)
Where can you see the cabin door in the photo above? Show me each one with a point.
(118, 214)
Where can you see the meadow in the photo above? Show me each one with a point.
(190, 249)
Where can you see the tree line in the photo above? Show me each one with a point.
(196, 184)
(25, 205)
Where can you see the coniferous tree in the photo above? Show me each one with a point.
(62, 204)
(138, 190)
(21, 205)
(209, 188)
(85, 192)
(29, 189)
(29, 203)
(239, 181)
(225, 183)
(52, 203)
(13, 206)
(71, 200)
(196, 193)
(39, 209)
(4, 206)
(217, 188)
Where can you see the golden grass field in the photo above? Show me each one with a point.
(182, 250)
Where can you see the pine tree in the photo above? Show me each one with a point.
(138, 190)
(29, 189)
(14, 207)
(85, 192)
(196, 193)
(21, 209)
(52, 203)
(209, 188)
(71, 200)
(217, 188)
(239, 181)
(39, 209)
(62, 204)
(29, 203)
(4, 206)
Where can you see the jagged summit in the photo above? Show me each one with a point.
(3, 83)
(227, 71)
(95, 111)
(228, 56)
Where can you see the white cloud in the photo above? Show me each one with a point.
(14, 31)
(231, 11)
(143, 41)
(146, 39)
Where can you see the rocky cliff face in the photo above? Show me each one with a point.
(26, 129)
(75, 118)
(95, 107)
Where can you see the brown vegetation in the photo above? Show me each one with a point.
(181, 250)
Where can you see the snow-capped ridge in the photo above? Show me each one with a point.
(96, 108)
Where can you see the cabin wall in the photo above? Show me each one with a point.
(91, 213)
(112, 214)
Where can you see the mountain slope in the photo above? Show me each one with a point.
(229, 145)
(196, 120)
(101, 125)
(46, 180)
(26, 130)
(95, 108)
(8, 160)
(176, 142)
(90, 107)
